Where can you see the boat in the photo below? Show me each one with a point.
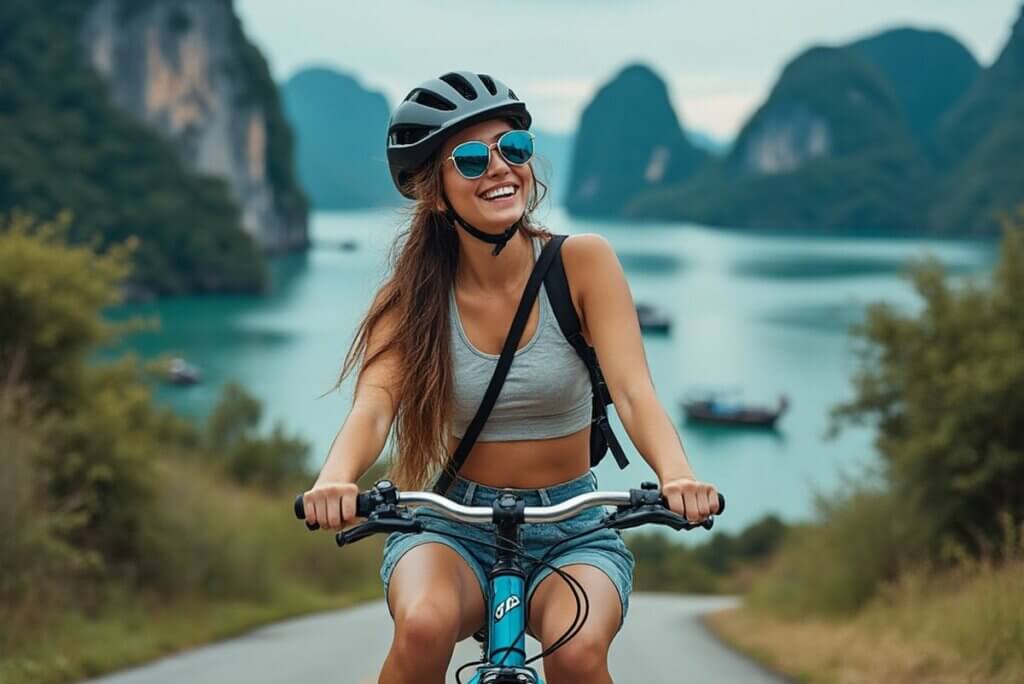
(712, 409)
(181, 372)
(348, 245)
(652, 319)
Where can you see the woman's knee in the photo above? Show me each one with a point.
(584, 655)
(426, 624)
(433, 593)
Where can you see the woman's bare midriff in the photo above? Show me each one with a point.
(527, 464)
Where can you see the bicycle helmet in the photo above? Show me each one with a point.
(435, 110)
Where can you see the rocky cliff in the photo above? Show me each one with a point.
(629, 140)
(929, 72)
(185, 68)
(829, 149)
(982, 141)
(340, 128)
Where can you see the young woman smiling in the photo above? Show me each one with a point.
(459, 146)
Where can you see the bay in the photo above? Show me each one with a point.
(763, 314)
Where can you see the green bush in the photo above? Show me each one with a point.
(270, 462)
(945, 389)
(108, 503)
(833, 567)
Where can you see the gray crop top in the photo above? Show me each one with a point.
(546, 394)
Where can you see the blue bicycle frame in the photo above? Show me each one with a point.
(506, 635)
(506, 619)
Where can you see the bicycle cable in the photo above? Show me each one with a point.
(577, 623)
(540, 562)
(575, 626)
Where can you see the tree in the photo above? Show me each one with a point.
(946, 390)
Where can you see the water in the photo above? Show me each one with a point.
(763, 314)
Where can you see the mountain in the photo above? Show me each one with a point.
(554, 152)
(982, 140)
(711, 144)
(629, 140)
(186, 70)
(829, 149)
(72, 139)
(929, 72)
(341, 129)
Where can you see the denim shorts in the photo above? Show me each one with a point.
(604, 549)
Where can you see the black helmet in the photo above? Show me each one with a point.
(440, 107)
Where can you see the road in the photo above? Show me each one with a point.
(662, 640)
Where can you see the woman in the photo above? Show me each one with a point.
(428, 347)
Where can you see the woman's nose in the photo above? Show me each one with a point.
(496, 164)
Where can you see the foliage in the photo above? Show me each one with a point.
(862, 539)
(65, 146)
(102, 494)
(946, 389)
(663, 565)
(878, 190)
(230, 438)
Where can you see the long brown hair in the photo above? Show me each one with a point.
(422, 263)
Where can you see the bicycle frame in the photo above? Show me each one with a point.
(506, 635)
(506, 619)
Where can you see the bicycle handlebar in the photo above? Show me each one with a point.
(367, 502)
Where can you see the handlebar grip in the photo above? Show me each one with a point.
(721, 503)
(300, 513)
(364, 506)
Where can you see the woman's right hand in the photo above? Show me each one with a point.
(331, 504)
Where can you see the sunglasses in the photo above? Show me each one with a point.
(472, 157)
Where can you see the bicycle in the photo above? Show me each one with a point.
(503, 641)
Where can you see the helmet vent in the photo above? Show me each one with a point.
(459, 82)
(489, 83)
(408, 135)
(512, 95)
(432, 100)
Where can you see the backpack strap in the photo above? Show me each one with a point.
(556, 283)
(515, 333)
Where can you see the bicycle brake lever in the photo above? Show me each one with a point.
(375, 525)
(658, 515)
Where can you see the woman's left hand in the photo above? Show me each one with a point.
(690, 498)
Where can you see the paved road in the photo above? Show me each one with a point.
(662, 641)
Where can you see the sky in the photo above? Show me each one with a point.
(718, 59)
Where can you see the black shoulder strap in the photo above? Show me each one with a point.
(515, 333)
(557, 286)
(556, 283)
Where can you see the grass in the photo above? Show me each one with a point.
(128, 632)
(961, 625)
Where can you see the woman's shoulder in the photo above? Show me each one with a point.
(586, 253)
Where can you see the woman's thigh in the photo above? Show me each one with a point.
(552, 606)
(434, 576)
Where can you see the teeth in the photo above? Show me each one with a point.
(505, 191)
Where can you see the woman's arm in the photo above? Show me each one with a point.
(610, 320)
(331, 502)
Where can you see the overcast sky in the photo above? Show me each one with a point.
(719, 59)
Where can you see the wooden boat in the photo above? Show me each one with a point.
(652, 320)
(711, 409)
(181, 372)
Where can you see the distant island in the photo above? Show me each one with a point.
(192, 155)
(899, 132)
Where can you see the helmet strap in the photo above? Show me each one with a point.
(499, 241)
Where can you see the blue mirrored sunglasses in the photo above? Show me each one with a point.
(472, 157)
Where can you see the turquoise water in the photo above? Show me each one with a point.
(762, 314)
